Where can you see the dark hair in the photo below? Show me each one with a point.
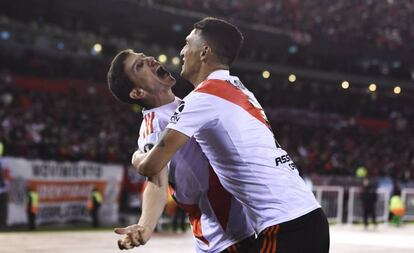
(118, 82)
(224, 38)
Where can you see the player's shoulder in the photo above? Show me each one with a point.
(210, 84)
(153, 122)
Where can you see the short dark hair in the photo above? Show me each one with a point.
(224, 38)
(118, 82)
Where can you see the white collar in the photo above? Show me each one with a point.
(162, 107)
(219, 74)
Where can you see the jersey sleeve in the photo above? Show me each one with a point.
(147, 141)
(145, 144)
(192, 114)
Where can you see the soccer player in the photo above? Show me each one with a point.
(230, 126)
(218, 220)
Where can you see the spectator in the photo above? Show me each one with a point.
(397, 208)
(94, 204)
(369, 200)
(4, 197)
(32, 207)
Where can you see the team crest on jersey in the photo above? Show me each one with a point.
(176, 116)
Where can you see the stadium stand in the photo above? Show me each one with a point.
(382, 24)
(324, 135)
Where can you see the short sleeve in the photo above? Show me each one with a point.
(145, 144)
(192, 114)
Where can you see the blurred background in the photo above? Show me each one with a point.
(336, 79)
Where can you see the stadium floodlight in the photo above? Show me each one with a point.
(266, 74)
(162, 58)
(397, 90)
(97, 48)
(60, 45)
(293, 49)
(175, 60)
(345, 84)
(292, 78)
(372, 87)
(5, 35)
(396, 64)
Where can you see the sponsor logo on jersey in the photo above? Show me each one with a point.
(284, 159)
(176, 116)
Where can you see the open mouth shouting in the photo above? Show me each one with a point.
(161, 72)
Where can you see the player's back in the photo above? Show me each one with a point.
(233, 132)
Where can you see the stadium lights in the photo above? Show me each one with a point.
(5, 35)
(266, 74)
(292, 78)
(345, 85)
(372, 87)
(162, 58)
(397, 90)
(97, 48)
(60, 45)
(293, 49)
(175, 60)
(396, 64)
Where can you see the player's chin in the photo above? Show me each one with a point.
(168, 80)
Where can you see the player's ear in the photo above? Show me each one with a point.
(136, 93)
(205, 52)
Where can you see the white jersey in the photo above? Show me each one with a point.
(217, 219)
(233, 132)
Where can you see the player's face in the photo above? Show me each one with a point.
(147, 73)
(191, 54)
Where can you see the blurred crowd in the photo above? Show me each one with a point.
(382, 24)
(323, 150)
(86, 123)
(65, 125)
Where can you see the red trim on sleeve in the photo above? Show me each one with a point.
(146, 124)
(151, 126)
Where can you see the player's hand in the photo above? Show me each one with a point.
(135, 236)
(125, 243)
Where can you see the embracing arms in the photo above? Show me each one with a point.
(151, 163)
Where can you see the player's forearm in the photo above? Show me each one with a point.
(154, 200)
(161, 154)
(150, 165)
(137, 158)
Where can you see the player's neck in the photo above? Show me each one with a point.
(161, 98)
(206, 70)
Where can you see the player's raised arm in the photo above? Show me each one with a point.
(161, 154)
